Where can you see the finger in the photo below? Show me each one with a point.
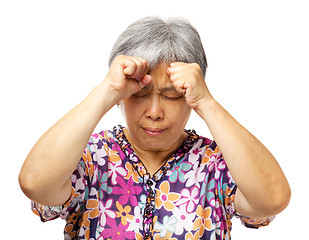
(146, 80)
(175, 67)
(142, 69)
(130, 68)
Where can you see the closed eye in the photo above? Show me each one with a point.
(171, 97)
(140, 95)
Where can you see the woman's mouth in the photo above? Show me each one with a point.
(154, 131)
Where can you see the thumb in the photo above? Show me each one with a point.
(145, 80)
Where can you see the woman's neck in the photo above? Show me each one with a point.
(153, 160)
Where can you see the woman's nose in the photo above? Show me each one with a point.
(155, 109)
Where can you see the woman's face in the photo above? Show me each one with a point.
(156, 116)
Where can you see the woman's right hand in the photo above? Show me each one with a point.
(126, 76)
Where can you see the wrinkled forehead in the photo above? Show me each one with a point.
(158, 88)
(160, 79)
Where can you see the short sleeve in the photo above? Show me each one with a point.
(81, 179)
(254, 222)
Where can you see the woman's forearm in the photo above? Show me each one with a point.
(45, 175)
(254, 169)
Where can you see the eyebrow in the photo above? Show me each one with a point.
(164, 89)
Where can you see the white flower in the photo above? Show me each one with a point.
(184, 219)
(195, 176)
(99, 155)
(136, 223)
(105, 211)
(167, 225)
(114, 169)
(190, 199)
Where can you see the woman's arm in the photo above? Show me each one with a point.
(263, 190)
(45, 176)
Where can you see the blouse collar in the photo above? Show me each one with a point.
(127, 149)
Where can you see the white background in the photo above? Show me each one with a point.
(52, 53)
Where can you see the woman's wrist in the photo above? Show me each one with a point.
(206, 106)
(104, 95)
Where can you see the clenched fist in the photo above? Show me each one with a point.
(126, 76)
(187, 78)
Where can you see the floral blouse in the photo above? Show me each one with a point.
(113, 197)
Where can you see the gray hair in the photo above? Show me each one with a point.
(158, 41)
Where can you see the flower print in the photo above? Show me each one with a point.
(184, 219)
(205, 160)
(229, 200)
(142, 202)
(77, 181)
(116, 232)
(208, 154)
(190, 199)
(178, 172)
(229, 175)
(99, 155)
(113, 156)
(189, 236)
(87, 164)
(127, 191)
(167, 237)
(69, 231)
(84, 232)
(103, 185)
(216, 163)
(166, 198)
(222, 224)
(168, 225)
(139, 236)
(207, 191)
(123, 213)
(196, 151)
(195, 176)
(105, 211)
(92, 212)
(136, 223)
(93, 206)
(115, 169)
(203, 221)
(131, 172)
(94, 187)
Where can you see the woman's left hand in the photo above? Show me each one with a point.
(187, 78)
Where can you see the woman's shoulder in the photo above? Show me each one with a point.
(200, 142)
(109, 136)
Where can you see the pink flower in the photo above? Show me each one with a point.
(116, 232)
(127, 191)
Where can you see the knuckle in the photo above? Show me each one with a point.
(119, 57)
(196, 69)
(134, 64)
(196, 66)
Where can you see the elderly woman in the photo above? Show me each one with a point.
(153, 179)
